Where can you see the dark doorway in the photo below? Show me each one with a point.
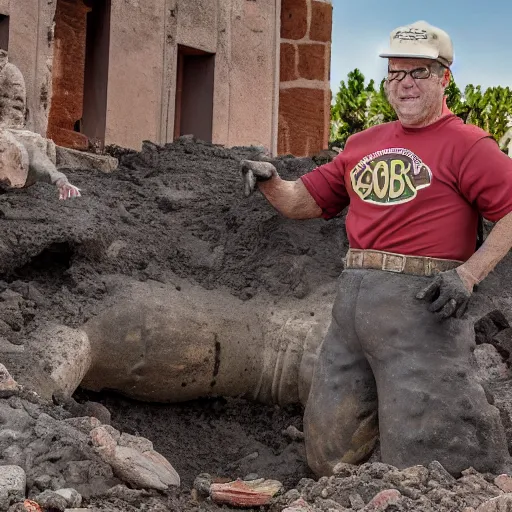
(194, 93)
(4, 32)
(94, 118)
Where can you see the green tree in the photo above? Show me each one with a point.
(358, 106)
(350, 108)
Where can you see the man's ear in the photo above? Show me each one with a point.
(446, 78)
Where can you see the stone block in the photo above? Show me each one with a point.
(288, 62)
(13, 481)
(321, 22)
(73, 159)
(294, 19)
(303, 121)
(313, 62)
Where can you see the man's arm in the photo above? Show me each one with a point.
(290, 198)
(493, 250)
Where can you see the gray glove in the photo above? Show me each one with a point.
(447, 294)
(252, 172)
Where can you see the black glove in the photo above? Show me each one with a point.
(252, 172)
(448, 295)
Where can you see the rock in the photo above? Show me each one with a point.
(13, 481)
(245, 494)
(504, 482)
(383, 500)
(67, 158)
(439, 474)
(342, 469)
(356, 502)
(124, 493)
(501, 503)
(85, 424)
(147, 469)
(299, 506)
(51, 500)
(490, 363)
(72, 497)
(8, 386)
(26, 506)
(202, 484)
(503, 343)
(67, 354)
(489, 326)
(294, 433)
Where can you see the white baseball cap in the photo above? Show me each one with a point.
(420, 40)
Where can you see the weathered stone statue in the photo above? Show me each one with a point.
(506, 142)
(25, 156)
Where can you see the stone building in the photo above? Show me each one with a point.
(235, 72)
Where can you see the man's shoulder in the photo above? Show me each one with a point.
(459, 131)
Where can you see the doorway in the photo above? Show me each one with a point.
(194, 93)
(97, 44)
(78, 109)
(4, 32)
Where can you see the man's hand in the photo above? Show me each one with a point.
(252, 172)
(66, 190)
(449, 294)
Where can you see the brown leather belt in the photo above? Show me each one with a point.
(400, 263)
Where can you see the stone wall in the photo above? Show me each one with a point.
(304, 91)
(271, 69)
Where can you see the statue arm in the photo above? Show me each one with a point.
(42, 169)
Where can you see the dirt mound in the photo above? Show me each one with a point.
(179, 210)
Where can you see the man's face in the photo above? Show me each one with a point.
(415, 100)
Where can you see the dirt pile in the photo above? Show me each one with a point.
(179, 210)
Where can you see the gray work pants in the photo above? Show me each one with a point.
(383, 342)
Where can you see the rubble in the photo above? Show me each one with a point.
(173, 217)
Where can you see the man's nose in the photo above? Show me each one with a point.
(408, 81)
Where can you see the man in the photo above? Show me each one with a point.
(398, 332)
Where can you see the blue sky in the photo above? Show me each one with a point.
(480, 35)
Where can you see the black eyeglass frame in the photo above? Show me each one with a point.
(403, 73)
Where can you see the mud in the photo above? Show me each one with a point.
(179, 210)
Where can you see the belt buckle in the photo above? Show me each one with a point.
(393, 262)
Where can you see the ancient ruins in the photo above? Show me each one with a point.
(157, 346)
(158, 335)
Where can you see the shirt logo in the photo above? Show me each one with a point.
(391, 176)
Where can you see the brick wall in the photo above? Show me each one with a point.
(304, 89)
(68, 74)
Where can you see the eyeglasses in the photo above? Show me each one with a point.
(417, 74)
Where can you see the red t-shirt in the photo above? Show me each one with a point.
(416, 191)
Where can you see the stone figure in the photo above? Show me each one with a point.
(25, 156)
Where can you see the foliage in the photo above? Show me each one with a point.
(358, 106)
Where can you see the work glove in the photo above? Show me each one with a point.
(447, 294)
(252, 172)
